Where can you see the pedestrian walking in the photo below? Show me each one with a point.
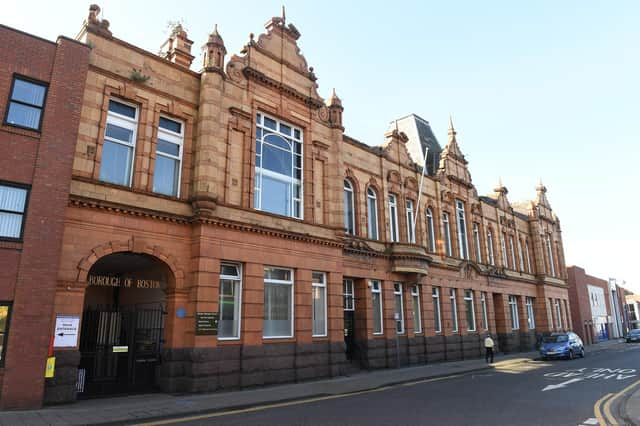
(488, 346)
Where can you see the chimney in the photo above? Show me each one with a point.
(177, 48)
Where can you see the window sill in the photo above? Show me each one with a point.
(278, 339)
(320, 336)
(20, 130)
(10, 244)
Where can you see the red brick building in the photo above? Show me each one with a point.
(590, 305)
(41, 87)
(223, 232)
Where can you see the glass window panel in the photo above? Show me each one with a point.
(297, 146)
(319, 302)
(116, 163)
(10, 225)
(277, 274)
(229, 302)
(171, 125)
(230, 270)
(12, 199)
(270, 123)
(119, 133)
(276, 196)
(296, 209)
(285, 129)
(377, 313)
(296, 133)
(4, 313)
(28, 92)
(278, 141)
(276, 160)
(165, 177)
(168, 147)
(23, 115)
(122, 109)
(277, 310)
(317, 277)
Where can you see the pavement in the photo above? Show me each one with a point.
(140, 408)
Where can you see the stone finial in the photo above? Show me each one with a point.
(96, 25)
(334, 100)
(541, 194)
(214, 50)
(500, 188)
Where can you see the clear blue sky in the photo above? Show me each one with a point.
(545, 89)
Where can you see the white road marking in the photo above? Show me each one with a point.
(591, 421)
(561, 385)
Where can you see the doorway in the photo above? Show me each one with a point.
(121, 335)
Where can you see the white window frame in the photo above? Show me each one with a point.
(463, 242)
(558, 314)
(505, 256)
(411, 233)
(526, 247)
(417, 309)
(437, 309)
(513, 252)
(454, 309)
(483, 302)
(492, 258)
(237, 278)
(476, 239)
(530, 313)
(520, 255)
(513, 308)
(393, 219)
(176, 139)
(447, 234)
(431, 231)
(397, 295)
(376, 288)
(348, 295)
(260, 172)
(349, 198)
(550, 254)
(468, 298)
(322, 286)
(372, 210)
(291, 284)
(126, 123)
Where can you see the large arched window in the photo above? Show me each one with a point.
(349, 211)
(278, 183)
(372, 213)
(431, 236)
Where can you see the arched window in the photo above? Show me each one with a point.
(278, 183)
(372, 213)
(431, 236)
(349, 211)
(393, 219)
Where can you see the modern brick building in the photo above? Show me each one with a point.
(41, 87)
(223, 232)
(590, 305)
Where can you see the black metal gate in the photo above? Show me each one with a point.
(120, 349)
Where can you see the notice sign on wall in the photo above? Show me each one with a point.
(66, 332)
(206, 323)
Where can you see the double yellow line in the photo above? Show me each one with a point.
(602, 408)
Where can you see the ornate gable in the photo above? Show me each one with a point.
(275, 60)
(453, 165)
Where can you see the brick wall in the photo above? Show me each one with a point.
(43, 160)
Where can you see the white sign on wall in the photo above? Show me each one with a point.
(66, 332)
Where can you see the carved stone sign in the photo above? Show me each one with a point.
(107, 281)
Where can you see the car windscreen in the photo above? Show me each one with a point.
(555, 339)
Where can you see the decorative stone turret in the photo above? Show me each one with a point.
(500, 195)
(453, 165)
(214, 51)
(335, 110)
(541, 195)
(177, 48)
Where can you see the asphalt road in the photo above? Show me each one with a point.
(557, 392)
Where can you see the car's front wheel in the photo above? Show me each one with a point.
(581, 352)
(571, 354)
